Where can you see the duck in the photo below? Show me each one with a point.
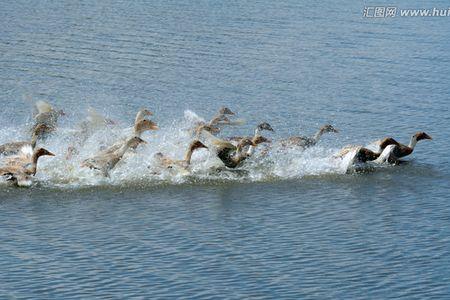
(21, 169)
(139, 129)
(233, 156)
(214, 125)
(220, 116)
(355, 157)
(106, 161)
(402, 150)
(141, 114)
(257, 132)
(94, 121)
(251, 148)
(306, 142)
(202, 126)
(359, 154)
(180, 164)
(387, 155)
(46, 115)
(15, 148)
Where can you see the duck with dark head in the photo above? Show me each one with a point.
(404, 150)
(233, 156)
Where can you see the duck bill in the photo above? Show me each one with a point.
(426, 136)
(51, 154)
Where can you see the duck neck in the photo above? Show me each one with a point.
(412, 142)
(123, 149)
(188, 155)
(251, 149)
(137, 131)
(240, 157)
(318, 135)
(34, 139)
(34, 161)
(139, 117)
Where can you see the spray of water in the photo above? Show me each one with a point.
(141, 166)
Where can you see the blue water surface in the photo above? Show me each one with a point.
(295, 64)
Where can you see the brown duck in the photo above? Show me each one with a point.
(15, 148)
(20, 169)
(403, 150)
(184, 163)
(106, 161)
(304, 141)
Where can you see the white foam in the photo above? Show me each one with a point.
(142, 168)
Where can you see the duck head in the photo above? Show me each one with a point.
(145, 112)
(422, 136)
(225, 111)
(210, 128)
(141, 114)
(43, 152)
(265, 126)
(145, 125)
(41, 129)
(329, 128)
(197, 145)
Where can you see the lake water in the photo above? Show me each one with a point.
(290, 225)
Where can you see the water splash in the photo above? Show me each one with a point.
(141, 167)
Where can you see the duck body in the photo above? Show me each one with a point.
(233, 156)
(21, 168)
(180, 164)
(214, 126)
(299, 141)
(17, 176)
(46, 115)
(305, 141)
(139, 129)
(106, 161)
(402, 150)
(230, 158)
(15, 148)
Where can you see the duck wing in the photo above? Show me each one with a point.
(299, 141)
(13, 148)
